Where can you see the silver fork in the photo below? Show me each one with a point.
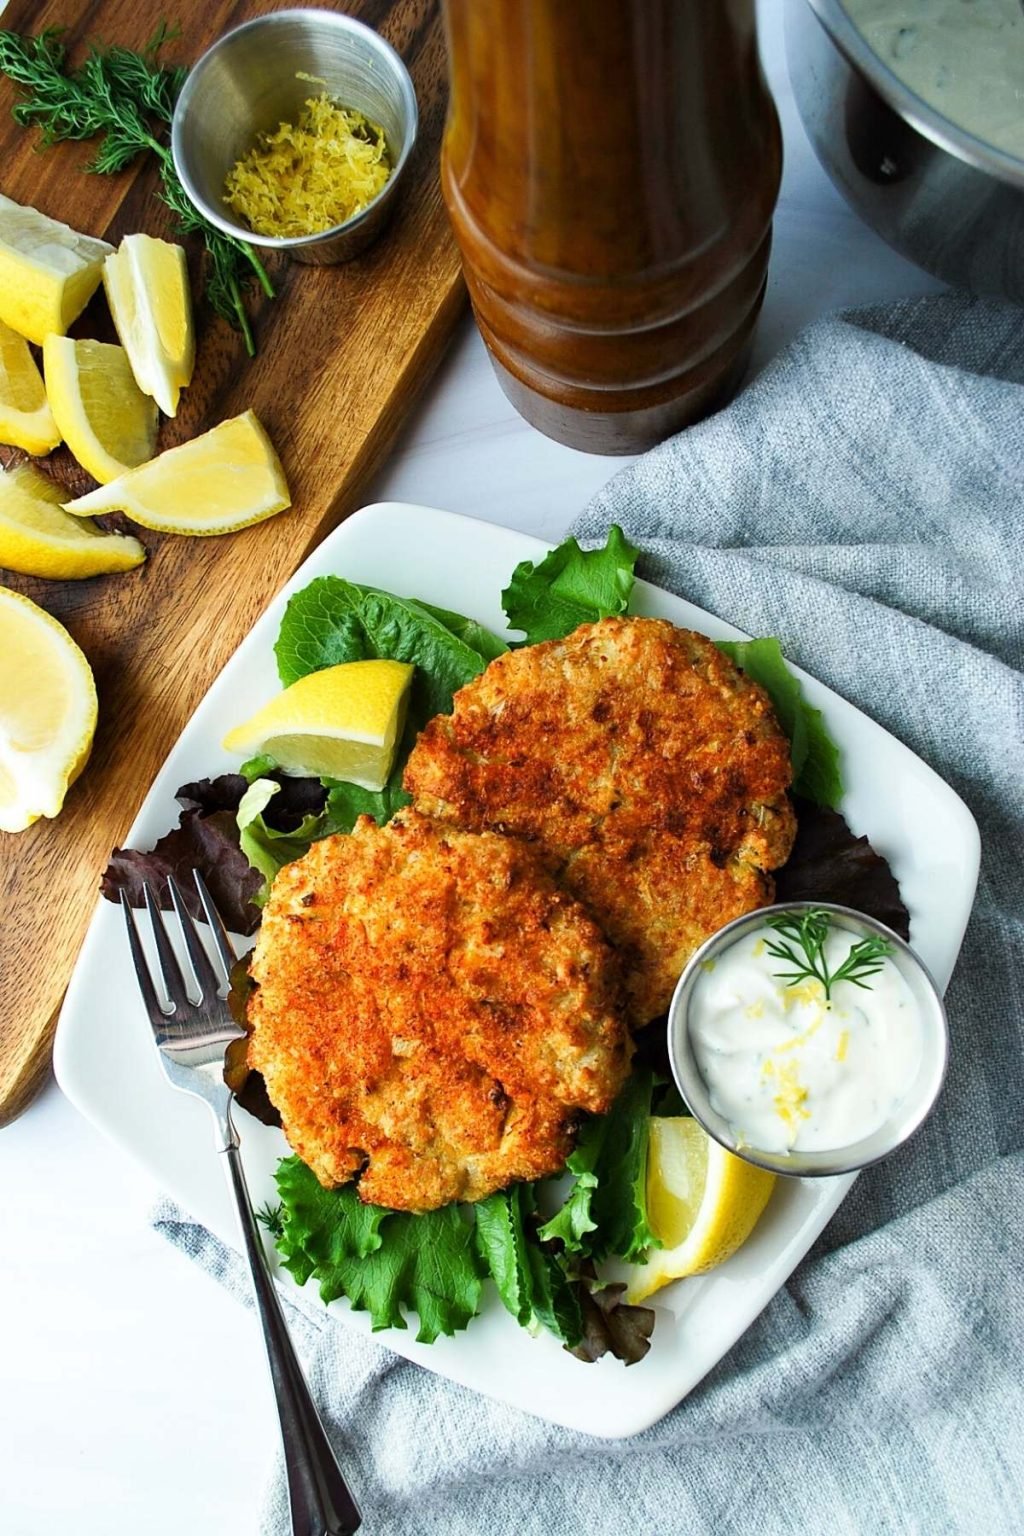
(191, 1036)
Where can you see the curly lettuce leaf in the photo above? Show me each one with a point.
(569, 587)
(612, 1325)
(205, 838)
(530, 1280)
(573, 1222)
(829, 864)
(386, 1262)
(814, 754)
(267, 848)
(606, 1210)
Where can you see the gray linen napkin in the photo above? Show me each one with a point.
(863, 500)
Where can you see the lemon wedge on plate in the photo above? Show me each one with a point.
(702, 1202)
(100, 411)
(48, 272)
(341, 723)
(26, 420)
(146, 283)
(39, 539)
(47, 712)
(225, 480)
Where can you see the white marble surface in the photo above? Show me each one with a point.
(132, 1393)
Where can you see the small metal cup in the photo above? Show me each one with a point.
(248, 82)
(916, 1104)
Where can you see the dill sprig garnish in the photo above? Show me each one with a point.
(127, 99)
(271, 1217)
(805, 952)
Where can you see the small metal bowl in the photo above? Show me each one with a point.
(944, 198)
(248, 82)
(917, 1103)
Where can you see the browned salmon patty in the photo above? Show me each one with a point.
(650, 772)
(432, 1012)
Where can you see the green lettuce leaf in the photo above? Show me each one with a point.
(267, 849)
(345, 802)
(531, 1282)
(572, 1224)
(386, 1262)
(332, 621)
(569, 587)
(815, 755)
(606, 1209)
(468, 630)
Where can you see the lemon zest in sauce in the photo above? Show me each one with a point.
(790, 1100)
(802, 1039)
(810, 991)
(842, 1045)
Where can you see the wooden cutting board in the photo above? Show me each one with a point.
(342, 354)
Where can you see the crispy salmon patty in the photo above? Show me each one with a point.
(644, 766)
(432, 1012)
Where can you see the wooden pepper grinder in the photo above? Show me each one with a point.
(610, 168)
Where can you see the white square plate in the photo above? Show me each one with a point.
(106, 1064)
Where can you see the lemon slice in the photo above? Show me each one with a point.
(47, 712)
(39, 539)
(702, 1202)
(146, 282)
(48, 272)
(226, 479)
(341, 723)
(100, 411)
(26, 420)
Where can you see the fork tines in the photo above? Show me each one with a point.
(205, 984)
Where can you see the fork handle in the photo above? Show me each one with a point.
(321, 1504)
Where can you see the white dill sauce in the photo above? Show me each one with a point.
(963, 57)
(790, 1069)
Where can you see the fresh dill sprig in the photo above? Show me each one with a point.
(126, 99)
(805, 952)
(271, 1217)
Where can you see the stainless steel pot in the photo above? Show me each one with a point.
(950, 202)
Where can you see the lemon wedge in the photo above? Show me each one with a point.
(146, 283)
(341, 723)
(47, 712)
(26, 420)
(226, 479)
(48, 272)
(39, 539)
(100, 411)
(702, 1202)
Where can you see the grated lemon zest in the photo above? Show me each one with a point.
(810, 991)
(307, 176)
(790, 1101)
(842, 1045)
